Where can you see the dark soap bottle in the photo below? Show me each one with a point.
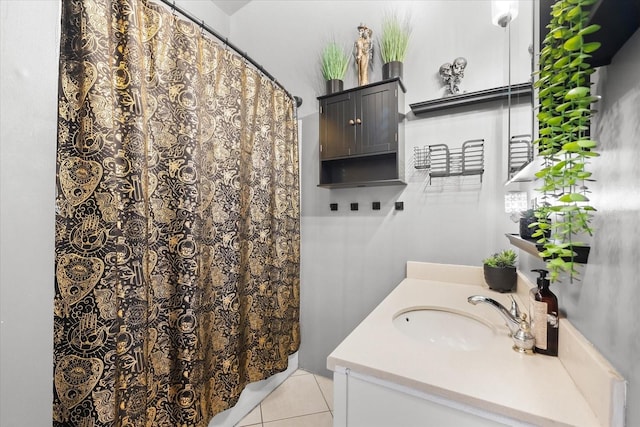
(544, 316)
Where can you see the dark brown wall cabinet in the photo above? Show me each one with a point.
(361, 136)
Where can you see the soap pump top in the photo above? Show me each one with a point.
(542, 280)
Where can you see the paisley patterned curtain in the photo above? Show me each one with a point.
(177, 225)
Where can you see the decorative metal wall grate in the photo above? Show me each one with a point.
(421, 157)
(442, 161)
(520, 153)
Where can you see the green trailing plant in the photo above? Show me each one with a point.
(335, 61)
(394, 39)
(564, 115)
(503, 259)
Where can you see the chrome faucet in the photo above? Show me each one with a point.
(512, 320)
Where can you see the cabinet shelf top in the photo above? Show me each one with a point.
(365, 86)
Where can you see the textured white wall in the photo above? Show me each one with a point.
(351, 260)
(29, 49)
(286, 37)
(604, 303)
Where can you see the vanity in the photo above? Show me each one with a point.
(427, 357)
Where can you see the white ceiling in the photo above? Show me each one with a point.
(230, 6)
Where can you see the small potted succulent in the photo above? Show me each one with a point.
(335, 61)
(500, 271)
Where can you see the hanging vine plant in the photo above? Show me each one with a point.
(564, 144)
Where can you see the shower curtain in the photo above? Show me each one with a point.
(177, 221)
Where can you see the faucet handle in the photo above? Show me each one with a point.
(515, 310)
(523, 340)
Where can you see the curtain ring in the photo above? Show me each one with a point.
(173, 8)
(226, 43)
(202, 28)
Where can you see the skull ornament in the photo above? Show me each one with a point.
(445, 71)
(459, 64)
(452, 73)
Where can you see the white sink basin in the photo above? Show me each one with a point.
(445, 328)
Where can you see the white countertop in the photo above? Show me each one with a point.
(532, 388)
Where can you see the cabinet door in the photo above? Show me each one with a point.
(377, 119)
(361, 402)
(337, 126)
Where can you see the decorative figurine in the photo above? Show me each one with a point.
(364, 53)
(457, 69)
(452, 74)
(445, 75)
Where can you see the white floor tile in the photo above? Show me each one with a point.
(298, 395)
(252, 418)
(323, 419)
(299, 372)
(326, 387)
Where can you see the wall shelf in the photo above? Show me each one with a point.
(534, 249)
(527, 172)
(526, 245)
(618, 19)
(482, 96)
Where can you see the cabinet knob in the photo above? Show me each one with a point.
(351, 122)
(358, 121)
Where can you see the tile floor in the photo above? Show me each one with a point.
(302, 400)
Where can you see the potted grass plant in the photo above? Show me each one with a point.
(335, 61)
(394, 41)
(500, 270)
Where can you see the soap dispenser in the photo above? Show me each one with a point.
(543, 312)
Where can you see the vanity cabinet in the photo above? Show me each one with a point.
(361, 136)
(361, 400)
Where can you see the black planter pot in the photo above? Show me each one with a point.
(501, 279)
(526, 232)
(581, 256)
(334, 85)
(391, 70)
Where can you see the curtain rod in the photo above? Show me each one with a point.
(225, 40)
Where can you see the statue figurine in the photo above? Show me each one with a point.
(364, 53)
